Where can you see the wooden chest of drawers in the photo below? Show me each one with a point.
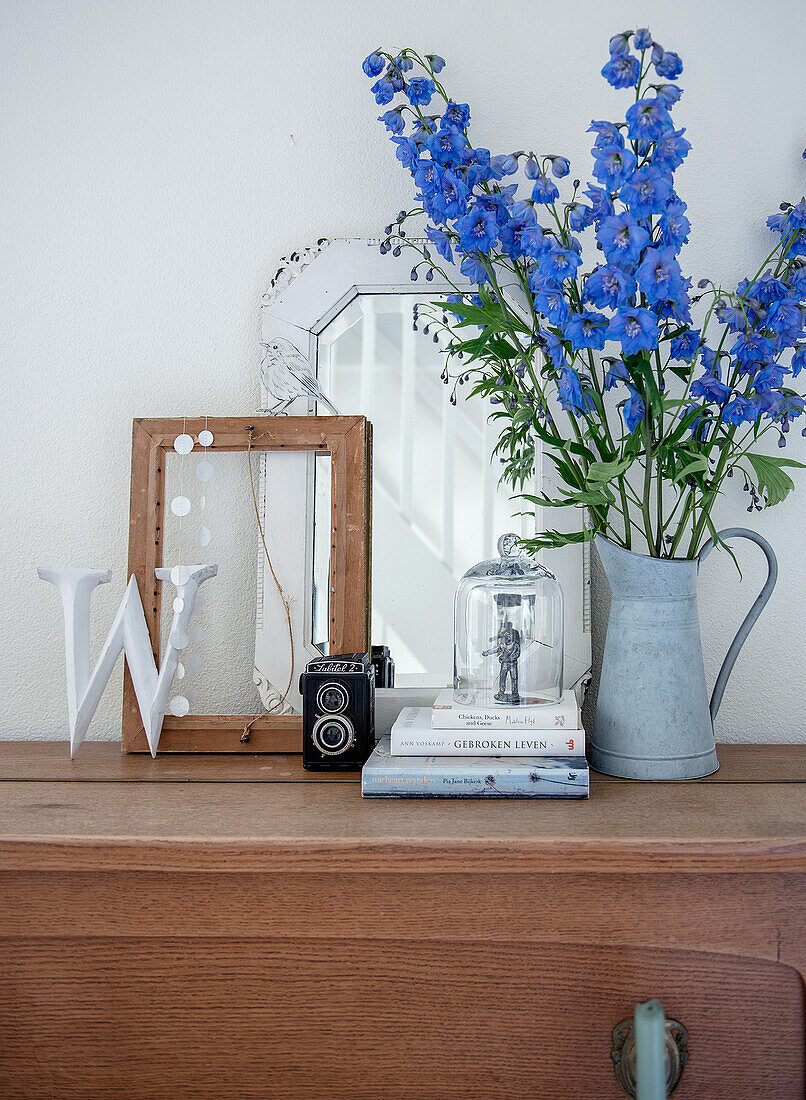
(236, 927)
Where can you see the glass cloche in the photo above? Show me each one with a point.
(508, 632)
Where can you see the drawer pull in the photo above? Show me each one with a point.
(625, 1054)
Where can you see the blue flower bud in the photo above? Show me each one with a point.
(560, 167)
(373, 64)
(436, 62)
(531, 168)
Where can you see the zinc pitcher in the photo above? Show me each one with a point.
(653, 716)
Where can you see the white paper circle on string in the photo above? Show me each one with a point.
(194, 664)
(183, 444)
(205, 438)
(178, 639)
(179, 706)
(196, 634)
(199, 605)
(203, 536)
(179, 605)
(204, 470)
(180, 574)
(180, 506)
(180, 671)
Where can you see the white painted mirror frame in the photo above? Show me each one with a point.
(312, 287)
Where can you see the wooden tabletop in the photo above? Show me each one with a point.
(109, 810)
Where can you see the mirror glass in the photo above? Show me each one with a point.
(320, 589)
(437, 505)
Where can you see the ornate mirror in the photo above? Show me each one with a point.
(437, 504)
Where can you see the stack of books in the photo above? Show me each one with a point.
(466, 750)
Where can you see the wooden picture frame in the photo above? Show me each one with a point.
(348, 440)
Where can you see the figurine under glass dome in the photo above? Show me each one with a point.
(508, 632)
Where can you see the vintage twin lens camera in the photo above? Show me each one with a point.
(338, 712)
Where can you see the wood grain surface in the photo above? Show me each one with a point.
(625, 827)
(102, 762)
(167, 934)
(379, 1017)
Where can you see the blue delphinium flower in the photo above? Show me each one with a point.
(741, 410)
(752, 346)
(580, 216)
(473, 268)
(554, 348)
(659, 275)
(607, 133)
(798, 360)
(622, 239)
(635, 328)
(552, 303)
(668, 93)
(456, 114)
(646, 192)
(586, 330)
(515, 236)
(669, 65)
(569, 392)
(671, 150)
(620, 44)
(622, 71)
(560, 166)
(710, 388)
(544, 190)
(441, 242)
(373, 64)
(436, 62)
(642, 39)
(608, 285)
(558, 263)
(478, 230)
(449, 200)
(633, 409)
(420, 90)
(612, 164)
(647, 118)
(393, 121)
(683, 347)
(384, 91)
(446, 145)
(601, 202)
(674, 225)
(506, 164)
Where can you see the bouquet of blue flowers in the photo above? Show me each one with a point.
(642, 413)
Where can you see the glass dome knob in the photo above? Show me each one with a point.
(508, 546)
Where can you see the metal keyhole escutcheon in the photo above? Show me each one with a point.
(624, 1055)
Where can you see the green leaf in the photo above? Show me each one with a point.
(772, 482)
(606, 471)
(552, 540)
(698, 465)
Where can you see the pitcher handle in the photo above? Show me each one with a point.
(754, 612)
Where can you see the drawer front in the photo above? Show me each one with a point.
(154, 1017)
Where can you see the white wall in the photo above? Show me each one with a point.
(159, 157)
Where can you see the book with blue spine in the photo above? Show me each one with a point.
(388, 776)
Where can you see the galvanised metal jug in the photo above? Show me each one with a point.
(653, 716)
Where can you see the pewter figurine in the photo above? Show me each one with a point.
(508, 649)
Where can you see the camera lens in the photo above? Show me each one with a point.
(332, 736)
(332, 698)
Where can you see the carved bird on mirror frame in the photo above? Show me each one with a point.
(287, 375)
